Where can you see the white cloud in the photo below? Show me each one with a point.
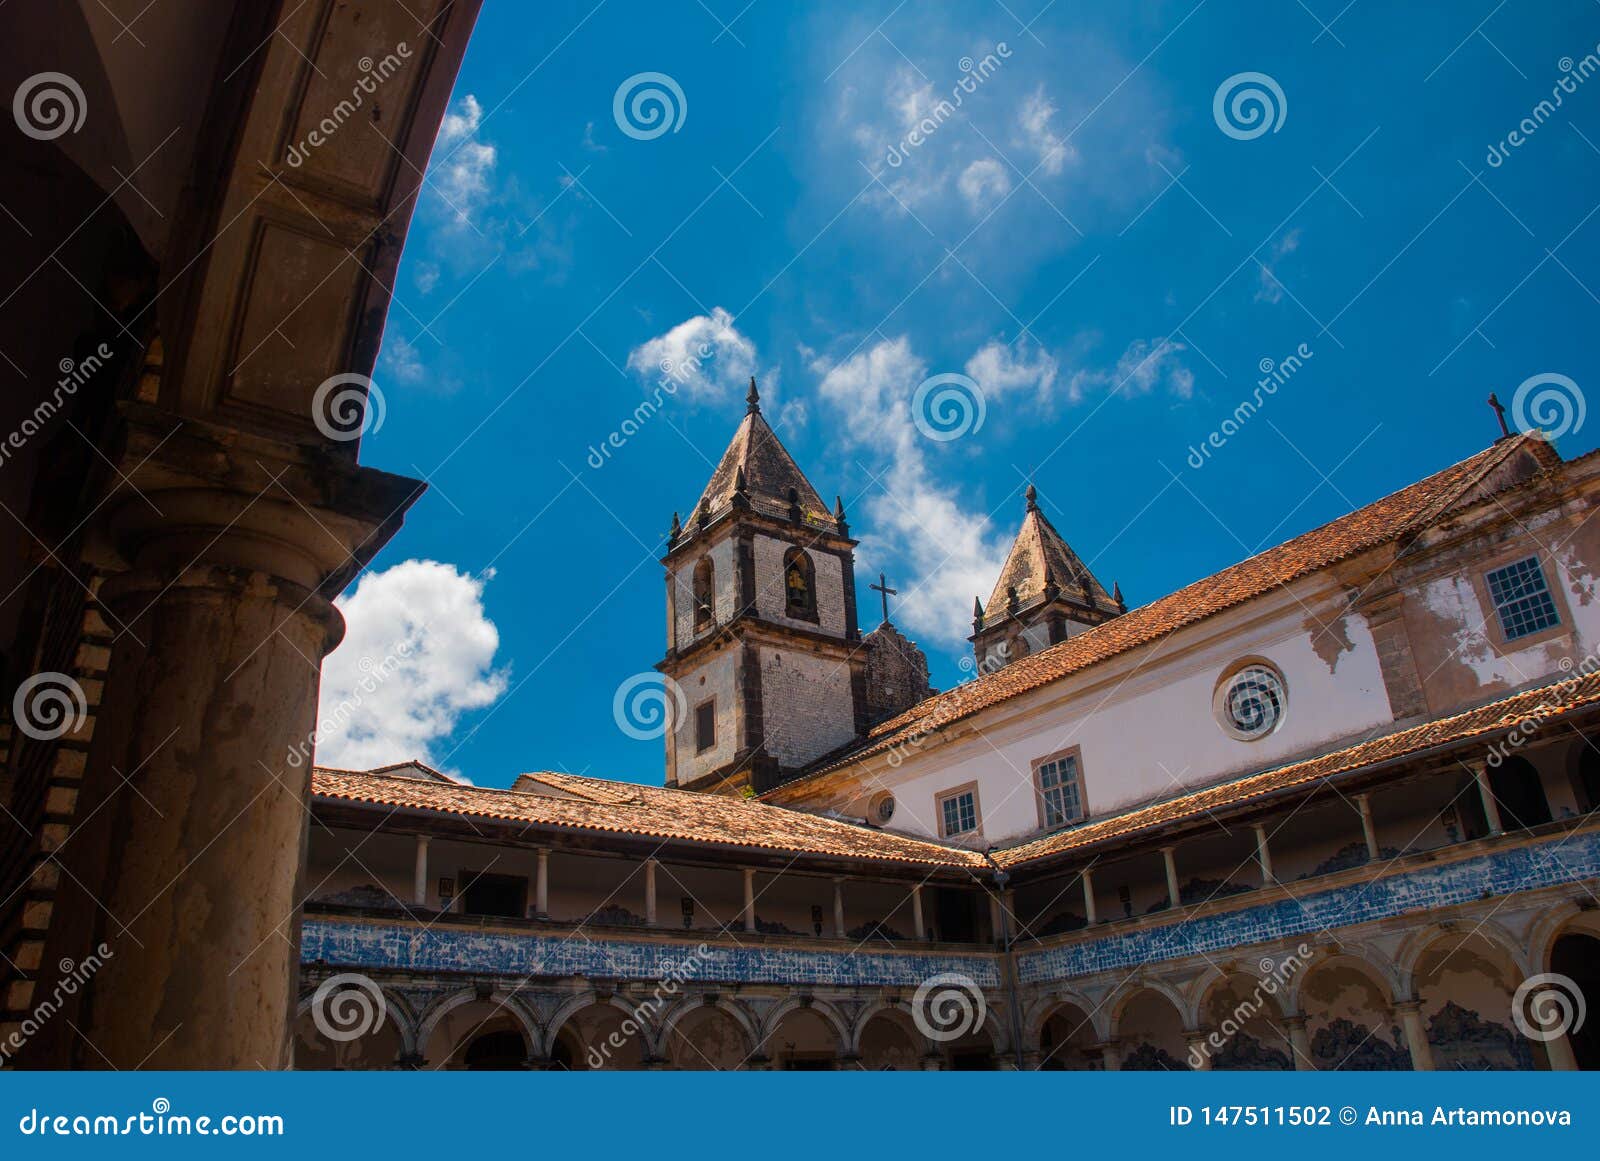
(1146, 364)
(983, 183)
(401, 359)
(1038, 136)
(418, 653)
(1000, 368)
(427, 276)
(461, 172)
(706, 355)
(1270, 289)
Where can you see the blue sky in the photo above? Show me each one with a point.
(1081, 238)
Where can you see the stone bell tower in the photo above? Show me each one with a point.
(762, 638)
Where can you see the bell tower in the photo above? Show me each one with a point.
(762, 636)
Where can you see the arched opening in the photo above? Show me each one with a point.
(1150, 1031)
(1067, 1041)
(1349, 1020)
(889, 1043)
(799, 585)
(708, 1039)
(1240, 1012)
(705, 590)
(380, 1048)
(601, 1037)
(501, 1051)
(804, 1040)
(1465, 983)
(1588, 774)
(450, 1037)
(1576, 955)
(1519, 794)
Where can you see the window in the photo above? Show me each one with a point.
(958, 811)
(1522, 598)
(799, 585)
(704, 592)
(1250, 703)
(502, 895)
(1060, 789)
(705, 726)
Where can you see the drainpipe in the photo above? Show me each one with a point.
(1014, 1004)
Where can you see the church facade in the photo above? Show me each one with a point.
(1334, 807)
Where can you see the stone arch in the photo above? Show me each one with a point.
(811, 1055)
(1563, 919)
(1033, 1020)
(1245, 1020)
(1346, 999)
(1131, 988)
(1200, 988)
(1582, 767)
(1418, 942)
(1148, 1019)
(887, 1037)
(1464, 978)
(664, 1046)
(1066, 1035)
(389, 1045)
(1380, 970)
(395, 1008)
(587, 1024)
(498, 999)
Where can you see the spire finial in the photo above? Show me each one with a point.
(1033, 497)
(677, 528)
(1116, 595)
(753, 398)
(1499, 413)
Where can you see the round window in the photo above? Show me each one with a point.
(882, 808)
(1251, 703)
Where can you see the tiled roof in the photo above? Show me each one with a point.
(769, 474)
(1040, 556)
(1409, 510)
(594, 804)
(1532, 705)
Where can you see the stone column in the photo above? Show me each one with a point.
(932, 1062)
(1410, 1014)
(1560, 1055)
(1263, 855)
(1172, 875)
(541, 885)
(1491, 808)
(1110, 1055)
(1199, 1049)
(838, 909)
(650, 892)
(1089, 912)
(749, 900)
(1300, 1044)
(916, 913)
(419, 886)
(1369, 829)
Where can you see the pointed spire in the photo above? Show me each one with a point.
(676, 530)
(1116, 595)
(1033, 498)
(753, 399)
(977, 615)
(838, 508)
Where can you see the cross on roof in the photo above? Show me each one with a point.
(883, 589)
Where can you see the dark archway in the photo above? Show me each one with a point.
(1519, 794)
(503, 1051)
(1589, 774)
(1577, 956)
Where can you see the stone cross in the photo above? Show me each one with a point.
(883, 590)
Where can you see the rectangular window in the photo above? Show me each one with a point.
(705, 726)
(1060, 789)
(1522, 598)
(958, 811)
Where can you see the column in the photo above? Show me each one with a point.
(916, 913)
(838, 909)
(1263, 855)
(1491, 808)
(1300, 1044)
(420, 880)
(650, 892)
(996, 918)
(1089, 911)
(1559, 1052)
(749, 900)
(1199, 1049)
(1369, 829)
(1172, 875)
(1416, 1036)
(541, 885)
(1110, 1055)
